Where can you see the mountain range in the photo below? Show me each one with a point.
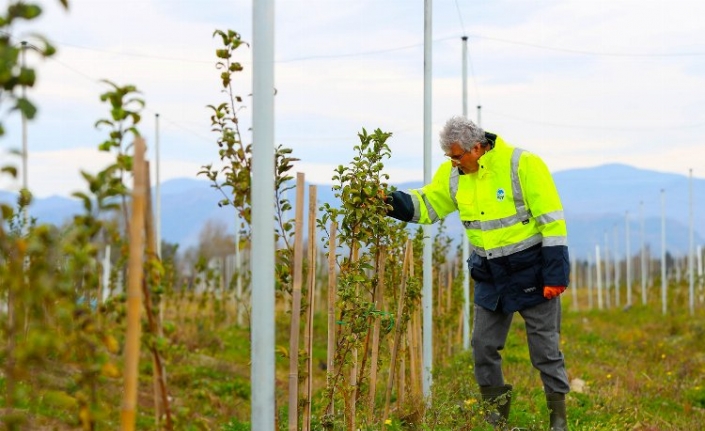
(599, 203)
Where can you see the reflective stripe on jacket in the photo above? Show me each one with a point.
(513, 218)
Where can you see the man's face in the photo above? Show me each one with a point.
(466, 160)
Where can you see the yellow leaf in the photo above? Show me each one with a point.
(22, 246)
(110, 370)
(111, 344)
(282, 351)
(85, 416)
(59, 399)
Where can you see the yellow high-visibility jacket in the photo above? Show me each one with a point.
(513, 218)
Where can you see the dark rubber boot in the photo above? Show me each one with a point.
(499, 399)
(556, 408)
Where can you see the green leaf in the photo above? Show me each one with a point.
(26, 107)
(7, 211)
(87, 204)
(103, 122)
(26, 77)
(222, 35)
(134, 131)
(118, 114)
(24, 199)
(24, 11)
(106, 145)
(9, 170)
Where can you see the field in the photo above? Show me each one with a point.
(100, 330)
(641, 371)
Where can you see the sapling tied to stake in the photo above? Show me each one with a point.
(364, 233)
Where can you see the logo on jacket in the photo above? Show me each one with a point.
(500, 195)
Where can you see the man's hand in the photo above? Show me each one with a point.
(550, 292)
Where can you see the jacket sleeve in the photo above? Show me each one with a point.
(402, 206)
(426, 205)
(556, 265)
(544, 203)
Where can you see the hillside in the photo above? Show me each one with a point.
(595, 200)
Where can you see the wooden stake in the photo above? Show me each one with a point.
(418, 325)
(449, 295)
(308, 337)
(161, 398)
(401, 385)
(459, 332)
(414, 365)
(398, 331)
(296, 307)
(439, 301)
(331, 312)
(378, 305)
(134, 290)
(368, 337)
(415, 353)
(353, 385)
(319, 288)
(354, 366)
(16, 264)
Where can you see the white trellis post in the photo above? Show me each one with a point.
(691, 278)
(700, 271)
(608, 277)
(643, 254)
(664, 306)
(262, 258)
(628, 257)
(589, 283)
(466, 241)
(600, 305)
(106, 274)
(427, 298)
(617, 284)
(574, 284)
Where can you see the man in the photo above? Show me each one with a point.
(513, 217)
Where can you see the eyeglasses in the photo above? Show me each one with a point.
(456, 158)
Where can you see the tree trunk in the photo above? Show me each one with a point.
(296, 307)
(134, 291)
(330, 366)
(398, 332)
(308, 337)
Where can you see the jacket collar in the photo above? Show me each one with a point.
(492, 139)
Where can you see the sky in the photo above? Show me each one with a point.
(581, 83)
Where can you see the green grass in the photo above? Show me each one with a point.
(643, 371)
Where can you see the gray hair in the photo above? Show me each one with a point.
(463, 131)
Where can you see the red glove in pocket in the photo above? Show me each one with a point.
(550, 292)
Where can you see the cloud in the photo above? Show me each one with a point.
(321, 173)
(580, 83)
(58, 172)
